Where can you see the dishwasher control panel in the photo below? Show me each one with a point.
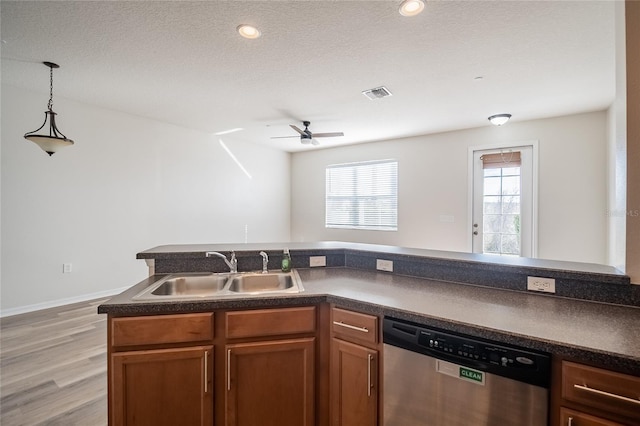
(506, 360)
(466, 348)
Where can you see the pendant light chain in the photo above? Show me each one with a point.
(50, 104)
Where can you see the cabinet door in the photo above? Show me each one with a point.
(162, 387)
(576, 418)
(354, 384)
(270, 383)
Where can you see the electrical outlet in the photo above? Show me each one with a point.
(384, 265)
(315, 261)
(547, 285)
(66, 268)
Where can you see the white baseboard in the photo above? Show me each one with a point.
(60, 302)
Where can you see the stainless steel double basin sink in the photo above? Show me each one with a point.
(211, 285)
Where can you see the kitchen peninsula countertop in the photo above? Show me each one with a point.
(594, 332)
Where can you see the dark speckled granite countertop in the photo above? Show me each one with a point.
(598, 333)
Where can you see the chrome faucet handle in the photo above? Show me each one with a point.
(265, 262)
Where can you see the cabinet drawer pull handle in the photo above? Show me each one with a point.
(352, 327)
(206, 371)
(610, 395)
(369, 359)
(570, 421)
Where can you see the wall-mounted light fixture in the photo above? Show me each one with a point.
(52, 142)
(499, 119)
(411, 7)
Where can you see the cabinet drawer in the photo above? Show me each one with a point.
(602, 389)
(270, 322)
(575, 418)
(351, 325)
(162, 329)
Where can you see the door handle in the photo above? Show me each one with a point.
(228, 369)
(369, 359)
(206, 371)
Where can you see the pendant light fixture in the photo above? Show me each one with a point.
(52, 142)
(499, 119)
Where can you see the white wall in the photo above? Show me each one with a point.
(128, 184)
(433, 181)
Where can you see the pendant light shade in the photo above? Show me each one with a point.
(47, 136)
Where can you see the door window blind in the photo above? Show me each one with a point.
(362, 195)
(501, 160)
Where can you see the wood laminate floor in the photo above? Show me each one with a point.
(53, 367)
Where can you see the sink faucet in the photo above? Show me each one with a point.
(265, 262)
(232, 264)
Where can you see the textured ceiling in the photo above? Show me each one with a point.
(183, 62)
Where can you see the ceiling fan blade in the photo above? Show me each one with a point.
(296, 129)
(284, 137)
(328, 135)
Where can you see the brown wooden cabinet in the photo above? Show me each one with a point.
(355, 366)
(354, 378)
(161, 370)
(590, 396)
(270, 367)
(163, 387)
(270, 383)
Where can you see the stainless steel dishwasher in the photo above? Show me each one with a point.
(438, 378)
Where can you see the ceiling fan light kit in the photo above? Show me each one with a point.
(55, 140)
(499, 119)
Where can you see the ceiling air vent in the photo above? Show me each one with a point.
(377, 93)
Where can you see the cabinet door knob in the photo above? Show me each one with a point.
(570, 421)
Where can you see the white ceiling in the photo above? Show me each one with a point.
(183, 62)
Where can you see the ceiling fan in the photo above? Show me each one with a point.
(306, 136)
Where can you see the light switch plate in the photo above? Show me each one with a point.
(384, 265)
(547, 285)
(315, 261)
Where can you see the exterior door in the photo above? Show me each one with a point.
(503, 202)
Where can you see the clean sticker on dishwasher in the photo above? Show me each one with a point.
(460, 372)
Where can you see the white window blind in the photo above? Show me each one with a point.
(362, 195)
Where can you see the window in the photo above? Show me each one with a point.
(501, 207)
(362, 196)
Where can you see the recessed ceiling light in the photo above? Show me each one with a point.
(499, 119)
(248, 31)
(411, 7)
